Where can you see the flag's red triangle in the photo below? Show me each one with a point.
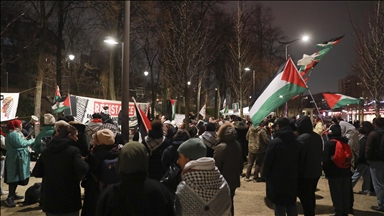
(67, 101)
(290, 74)
(331, 99)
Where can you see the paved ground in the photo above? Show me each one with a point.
(249, 200)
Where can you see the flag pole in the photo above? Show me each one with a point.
(318, 111)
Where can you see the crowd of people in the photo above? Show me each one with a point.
(193, 169)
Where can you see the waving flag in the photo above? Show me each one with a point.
(286, 84)
(60, 103)
(171, 109)
(143, 123)
(338, 100)
(203, 111)
(310, 61)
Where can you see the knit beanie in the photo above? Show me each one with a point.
(60, 123)
(49, 119)
(104, 136)
(193, 149)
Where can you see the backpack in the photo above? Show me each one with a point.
(343, 154)
(109, 174)
(380, 149)
(32, 194)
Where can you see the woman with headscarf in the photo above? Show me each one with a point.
(17, 160)
(136, 194)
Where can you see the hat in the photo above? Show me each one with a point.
(104, 136)
(173, 122)
(49, 119)
(60, 123)
(210, 127)
(193, 149)
(167, 122)
(334, 130)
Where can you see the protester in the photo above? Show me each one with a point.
(170, 154)
(104, 148)
(257, 144)
(81, 141)
(156, 143)
(47, 131)
(136, 194)
(209, 138)
(311, 150)
(62, 168)
(318, 126)
(339, 179)
(375, 158)
(281, 169)
(242, 129)
(17, 160)
(118, 137)
(228, 157)
(203, 190)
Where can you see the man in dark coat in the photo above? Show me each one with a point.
(136, 194)
(62, 168)
(311, 149)
(339, 179)
(281, 169)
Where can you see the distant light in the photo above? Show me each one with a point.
(247, 69)
(71, 57)
(281, 96)
(305, 38)
(215, 89)
(189, 82)
(110, 41)
(145, 73)
(250, 96)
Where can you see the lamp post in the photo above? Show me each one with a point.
(71, 57)
(146, 86)
(253, 79)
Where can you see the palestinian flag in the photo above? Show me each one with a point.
(330, 43)
(143, 123)
(61, 104)
(286, 84)
(338, 100)
(171, 109)
(57, 95)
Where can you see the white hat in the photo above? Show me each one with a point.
(49, 119)
(167, 122)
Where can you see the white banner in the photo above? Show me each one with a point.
(9, 103)
(82, 109)
(203, 111)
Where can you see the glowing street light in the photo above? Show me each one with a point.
(247, 69)
(189, 82)
(110, 41)
(71, 57)
(145, 73)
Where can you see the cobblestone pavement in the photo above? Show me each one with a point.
(249, 200)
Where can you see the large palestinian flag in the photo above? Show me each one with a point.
(61, 104)
(338, 100)
(286, 84)
(330, 43)
(143, 123)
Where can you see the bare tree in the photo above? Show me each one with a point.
(370, 49)
(182, 39)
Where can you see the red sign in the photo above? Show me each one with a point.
(114, 108)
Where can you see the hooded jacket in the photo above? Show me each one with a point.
(228, 155)
(311, 149)
(136, 194)
(281, 167)
(373, 143)
(257, 140)
(61, 167)
(46, 131)
(170, 154)
(209, 139)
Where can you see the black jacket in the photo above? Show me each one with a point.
(362, 142)
(136, 195)
(61, 167)
(330, 168)
(281, 167)
(311, 149)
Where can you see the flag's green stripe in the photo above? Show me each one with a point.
(274, 101)
(346, 101)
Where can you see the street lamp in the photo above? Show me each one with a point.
(189, 82)
(253, 79)
(145, 73)
(304, 38)
(71, 57)
(111, 41)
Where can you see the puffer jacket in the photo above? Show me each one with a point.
(257, 140)
(209, 139)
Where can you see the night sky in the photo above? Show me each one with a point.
(321, 21)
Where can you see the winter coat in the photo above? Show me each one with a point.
(228, 156)
(362, 142)
(311, 149)
(241, 129)
(330, 168)
(62, 168)
(90, 184)
(281, 162)
(170, 154)
(82, 142)
(155, 148)
(203, 190)
(318, 128)
(17, 160)
(257, 140)
(373, 142)
(209, 139)
(135, 195)
(46, 131)
(349, 131)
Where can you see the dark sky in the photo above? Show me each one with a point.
(321, 21)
